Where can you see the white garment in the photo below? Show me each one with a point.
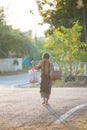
(33, 75)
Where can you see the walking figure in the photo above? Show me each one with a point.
(46, 67)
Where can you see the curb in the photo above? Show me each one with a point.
(70, 112)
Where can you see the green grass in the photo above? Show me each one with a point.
(62, 83)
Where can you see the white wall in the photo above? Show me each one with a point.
(7, 64)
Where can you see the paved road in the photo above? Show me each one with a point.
(15, 80)
(21, 107)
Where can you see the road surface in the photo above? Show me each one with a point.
(21, 108)
(15, 80)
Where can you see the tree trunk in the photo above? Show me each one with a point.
(70, 61)
(85, 81)
(84, 25)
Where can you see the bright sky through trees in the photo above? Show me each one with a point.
(18, 15)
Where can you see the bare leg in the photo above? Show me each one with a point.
(46, 101)
(43, 101)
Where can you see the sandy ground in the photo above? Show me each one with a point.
(79, 121)
(21, 109)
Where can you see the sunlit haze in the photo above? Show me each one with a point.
(18, 15)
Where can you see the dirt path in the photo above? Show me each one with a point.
(21, 108)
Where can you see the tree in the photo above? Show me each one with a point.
(8, 37)
(2, 16)
(12, 40)
(66, 44)
(59, 13)
(82, 6)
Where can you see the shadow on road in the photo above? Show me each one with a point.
(57, 116)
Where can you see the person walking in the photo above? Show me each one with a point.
(46, 67)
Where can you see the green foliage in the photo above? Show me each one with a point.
(59, 13)
(65, 44)
(40, 43)
(2, 16)
(13, 41)
(15, 62)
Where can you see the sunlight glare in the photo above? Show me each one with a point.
(18, 15)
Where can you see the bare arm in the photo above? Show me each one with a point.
(37, 67)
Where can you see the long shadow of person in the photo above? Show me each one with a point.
(58, 118)
(51, 111)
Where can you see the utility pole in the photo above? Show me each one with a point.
(36, 55)
(36, 52)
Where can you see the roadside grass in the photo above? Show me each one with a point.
(79, 121)
(76, 83)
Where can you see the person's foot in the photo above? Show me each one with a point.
(43, 102)
(46, 102)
